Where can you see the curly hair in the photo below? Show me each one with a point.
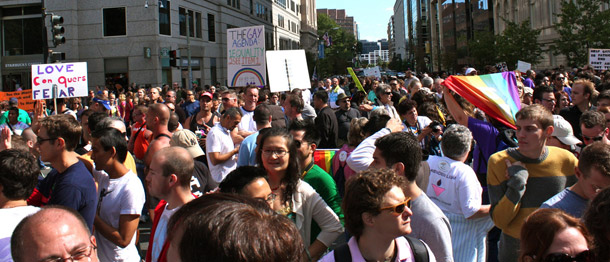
(596, 220)
(18, 173)
(293, 172)
(364, 192)
(540, 228)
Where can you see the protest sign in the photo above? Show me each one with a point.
(287, 70)
(372, 71)
(70, 80)
(24, 97)
(356, 80)
(599, 59)
(246, 56)
(523, 66)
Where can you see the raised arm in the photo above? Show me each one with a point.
(454, 108)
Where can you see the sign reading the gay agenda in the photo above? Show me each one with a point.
(24, 97)
(246, 56)
(70, 78)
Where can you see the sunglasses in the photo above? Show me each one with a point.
(585, 256)
(387, 93)
(398, 209)
(595, 138)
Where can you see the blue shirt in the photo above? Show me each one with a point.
(247, 151)
(567, 201)
(191, 108)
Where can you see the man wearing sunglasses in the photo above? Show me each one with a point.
(169, 179)
(593, 127)
(401, 152)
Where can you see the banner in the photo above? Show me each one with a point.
(287, 70)
(356, 80)
(24, 97)
(69, 78)
(599, 59)
(246, 56)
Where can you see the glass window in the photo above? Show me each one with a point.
(182, 20)
(211, 28)
(115, 23)
(16, 40)
(198, 25)
(165, 27)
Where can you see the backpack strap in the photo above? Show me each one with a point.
(420, 252)
(342, 253)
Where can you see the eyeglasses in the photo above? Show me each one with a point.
(270, 198)
(595, 138)
(226, 99)
(585, 256)
(548, 100)
(387, 93)
(190, 94)
(79, 255)
(398, 209)
(560, 78)
(278, 153)
(392, 84)
(40, 141)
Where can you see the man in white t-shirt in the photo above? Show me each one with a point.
(120, 198)
(454, 188)
(221, 152)
(18, 176)
(247, 126)
(169, 179)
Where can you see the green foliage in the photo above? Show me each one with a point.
(338, 56)
(518, 42)
(482, 49)
(581, 25)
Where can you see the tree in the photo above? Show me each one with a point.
(339, 55)
(581, 25)
(482, 49)
(518, 42)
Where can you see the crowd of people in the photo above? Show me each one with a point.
(232, 174)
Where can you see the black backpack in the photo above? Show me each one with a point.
(420, 252)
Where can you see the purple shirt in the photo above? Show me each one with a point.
(485, 134)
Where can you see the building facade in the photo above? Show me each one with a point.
(309, 26)
(129, 41)
(342, 19)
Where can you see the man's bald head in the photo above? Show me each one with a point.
(176, 160)
(53, 232)
(160, 111)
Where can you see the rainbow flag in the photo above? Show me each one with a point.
(323, 158)
(495, 94)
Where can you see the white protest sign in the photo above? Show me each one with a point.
(70, 79)
(246, 56)
(287, 70)
(372, 71)
(599, 59)
(523, 66)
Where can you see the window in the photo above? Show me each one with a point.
(211, 28)
(165, 27)
(280, 21)
(192, 26)
(251, 7)
(115, 23)
(16, 40)
(233, 3)
(281, 3)
(213, 70)
(293, 6)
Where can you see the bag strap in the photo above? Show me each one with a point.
(342, 253)
(420, 252)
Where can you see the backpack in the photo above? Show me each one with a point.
(420, 252)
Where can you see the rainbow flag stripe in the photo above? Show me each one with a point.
(495, 94)
(323, 158)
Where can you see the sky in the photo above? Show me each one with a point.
(372, 16)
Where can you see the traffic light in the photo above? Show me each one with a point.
(173, 58)
(57, 29)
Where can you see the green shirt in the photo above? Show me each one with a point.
(23, 117)
(325, 186)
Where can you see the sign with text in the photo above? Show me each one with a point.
(372, 71)
(24, 97)
(246, 56)
(70, 79)
(599, 59)
(287, 70)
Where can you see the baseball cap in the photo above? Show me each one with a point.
(208, 94)
(105, 103)
(187, 139)
(528, 91)
(563, 132)
(13, 101)
(470, 70)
